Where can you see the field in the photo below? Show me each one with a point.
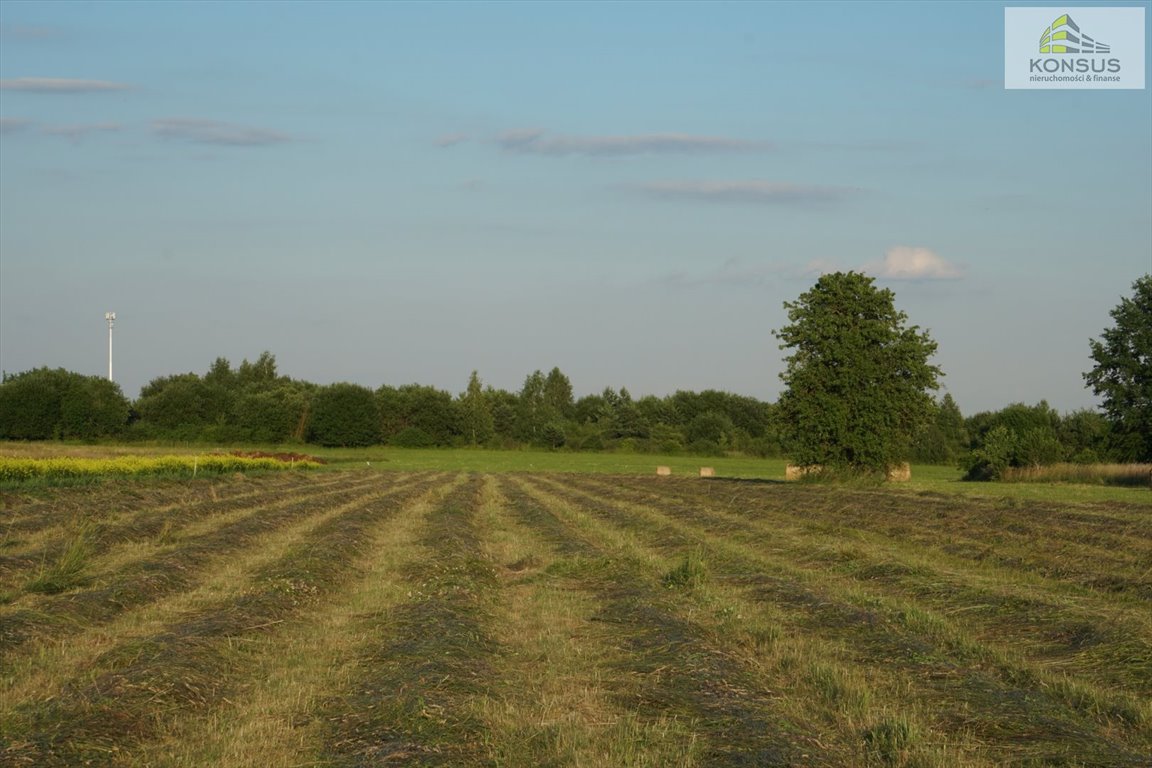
(411, 616)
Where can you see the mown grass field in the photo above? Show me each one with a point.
(472, 618)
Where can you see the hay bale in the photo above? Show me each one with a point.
(795, 472)
(901, 473)
(707, 472)
(663, 471)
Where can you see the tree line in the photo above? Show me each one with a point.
(254, 403)
(857, 398)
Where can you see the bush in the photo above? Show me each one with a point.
(344, 415)
(45, 404)
(706, 448)
(990, 460)
(412, 437)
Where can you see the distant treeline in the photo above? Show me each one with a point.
(253, 403)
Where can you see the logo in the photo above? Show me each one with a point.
(1072, 39)
(1090, 48)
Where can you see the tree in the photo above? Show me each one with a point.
(475, 412)
(178, 402)
(344, 415)
(944, 439)
(532, 411)
(270, 416)
(260, 374)
(858, 379)
(1122, 376)
(950, 422)
(558, 394)
(46, 403)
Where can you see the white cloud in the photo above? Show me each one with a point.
(200, 131)
(904, 262)
(538, 143)
(766, 192)
(59, 85)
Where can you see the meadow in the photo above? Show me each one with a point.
(440, 608)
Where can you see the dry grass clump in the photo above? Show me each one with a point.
(68, 570)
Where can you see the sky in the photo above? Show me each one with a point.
(388, 193)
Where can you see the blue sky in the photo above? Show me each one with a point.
(405, 192)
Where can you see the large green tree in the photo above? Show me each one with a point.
(858, 379)
(1122, 376)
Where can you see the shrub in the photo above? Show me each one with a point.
(344, 415)
(990, 460)
(412, 437)
(45, 404)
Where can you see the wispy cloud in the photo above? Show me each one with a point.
(14, 124)
(908, 263)
(452, 139)
(536, 142)
(27, 32)
(60, 85)
(76, 133)
(198, 131)
(760, 192)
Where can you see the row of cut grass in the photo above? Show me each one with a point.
(556, 699)
(843, 611)
(880, 611)
(39, 675)
(427, 658)
(525, 620)
(110, 520)
(674, 667)
(168, 568)
(144, 684)
(1050, 615)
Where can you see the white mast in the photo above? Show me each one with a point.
(111, 318)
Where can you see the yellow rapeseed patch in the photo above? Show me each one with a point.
(12, 469)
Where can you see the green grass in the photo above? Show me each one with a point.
(493, 461)
(925, 478)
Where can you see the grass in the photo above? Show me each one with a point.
(68, 570)
(572, 619)
(1131, 475)
(1081, 485)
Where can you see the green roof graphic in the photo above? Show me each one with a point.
(1064, 36)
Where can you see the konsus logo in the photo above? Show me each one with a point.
(1069, 53)
(1072, 40)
